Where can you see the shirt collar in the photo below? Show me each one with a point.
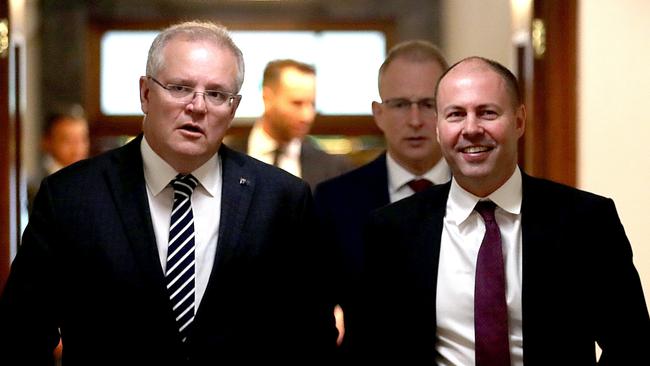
(158, 173)
(261, 143)
(398, 176)
(507, 197)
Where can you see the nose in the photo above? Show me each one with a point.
(415, 117)
(308, 112)
(198, 105)
(472, 126)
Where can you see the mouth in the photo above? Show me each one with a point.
(191, 128)
(475, 149)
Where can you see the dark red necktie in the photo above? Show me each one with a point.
(419, 185)
(490, 308)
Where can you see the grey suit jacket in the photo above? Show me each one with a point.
(89, 266)
(579, 282)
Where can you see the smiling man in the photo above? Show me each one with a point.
(497, 267)
(174, 249)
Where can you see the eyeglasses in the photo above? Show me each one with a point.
(185, 94)
(403, 105)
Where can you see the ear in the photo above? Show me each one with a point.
(520, 120)
(377, 114)
(144, 94)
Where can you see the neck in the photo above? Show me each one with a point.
(416, 167)
(267, 126)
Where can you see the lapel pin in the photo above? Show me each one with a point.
(243, 181)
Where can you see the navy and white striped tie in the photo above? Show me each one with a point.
(180, 254)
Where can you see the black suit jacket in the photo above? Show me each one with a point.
(316, 165)
(343, 205)
(89, 266)
(579, 283)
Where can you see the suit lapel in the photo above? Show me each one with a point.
(433, 211)
(238, 185)
(536, 241)
(378, 172)
(126, 180)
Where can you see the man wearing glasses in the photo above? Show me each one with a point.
(174, 249)
(412, 162)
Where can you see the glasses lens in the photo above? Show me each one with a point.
(216, 97)
(403, 105)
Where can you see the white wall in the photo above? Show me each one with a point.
(614, 114)
(477, 28)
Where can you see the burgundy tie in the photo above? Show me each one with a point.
(419, 185)
(490, 308)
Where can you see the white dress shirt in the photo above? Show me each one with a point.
(262, 147)
(206, 208)
(398, 177)
(462, 234)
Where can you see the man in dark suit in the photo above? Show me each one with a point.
(497, 267)
(407, 80)
(239, 281)
(279, 137)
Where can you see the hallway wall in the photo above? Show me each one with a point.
(613, 118)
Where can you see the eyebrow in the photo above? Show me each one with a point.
(192, 84)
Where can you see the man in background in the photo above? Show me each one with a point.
(65, 141)
(412, 161)
(279, 137)
(497, 267)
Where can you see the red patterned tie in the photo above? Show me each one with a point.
(419, 185)
(490, 308)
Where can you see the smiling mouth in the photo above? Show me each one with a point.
(476, 149)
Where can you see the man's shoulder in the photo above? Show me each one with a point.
(269, 175)
(548, 190)
(356, 180)
(416, 206)
(311, 152)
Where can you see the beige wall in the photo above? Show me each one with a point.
(477, 28)
(614, 114)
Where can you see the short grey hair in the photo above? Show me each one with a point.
(194, 31)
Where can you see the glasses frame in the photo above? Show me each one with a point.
(231, 97)
(417, 102)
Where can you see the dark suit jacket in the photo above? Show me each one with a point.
(316, 164)
(579, 283)
(89, 266)
(343, 205)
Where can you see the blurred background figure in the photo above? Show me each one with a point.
(65, 140)
(279, 137)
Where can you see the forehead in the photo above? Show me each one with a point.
(406, 78)
(198, 59)
(472, 83)
(294, 81)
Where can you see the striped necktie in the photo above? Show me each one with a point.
(180, 254)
